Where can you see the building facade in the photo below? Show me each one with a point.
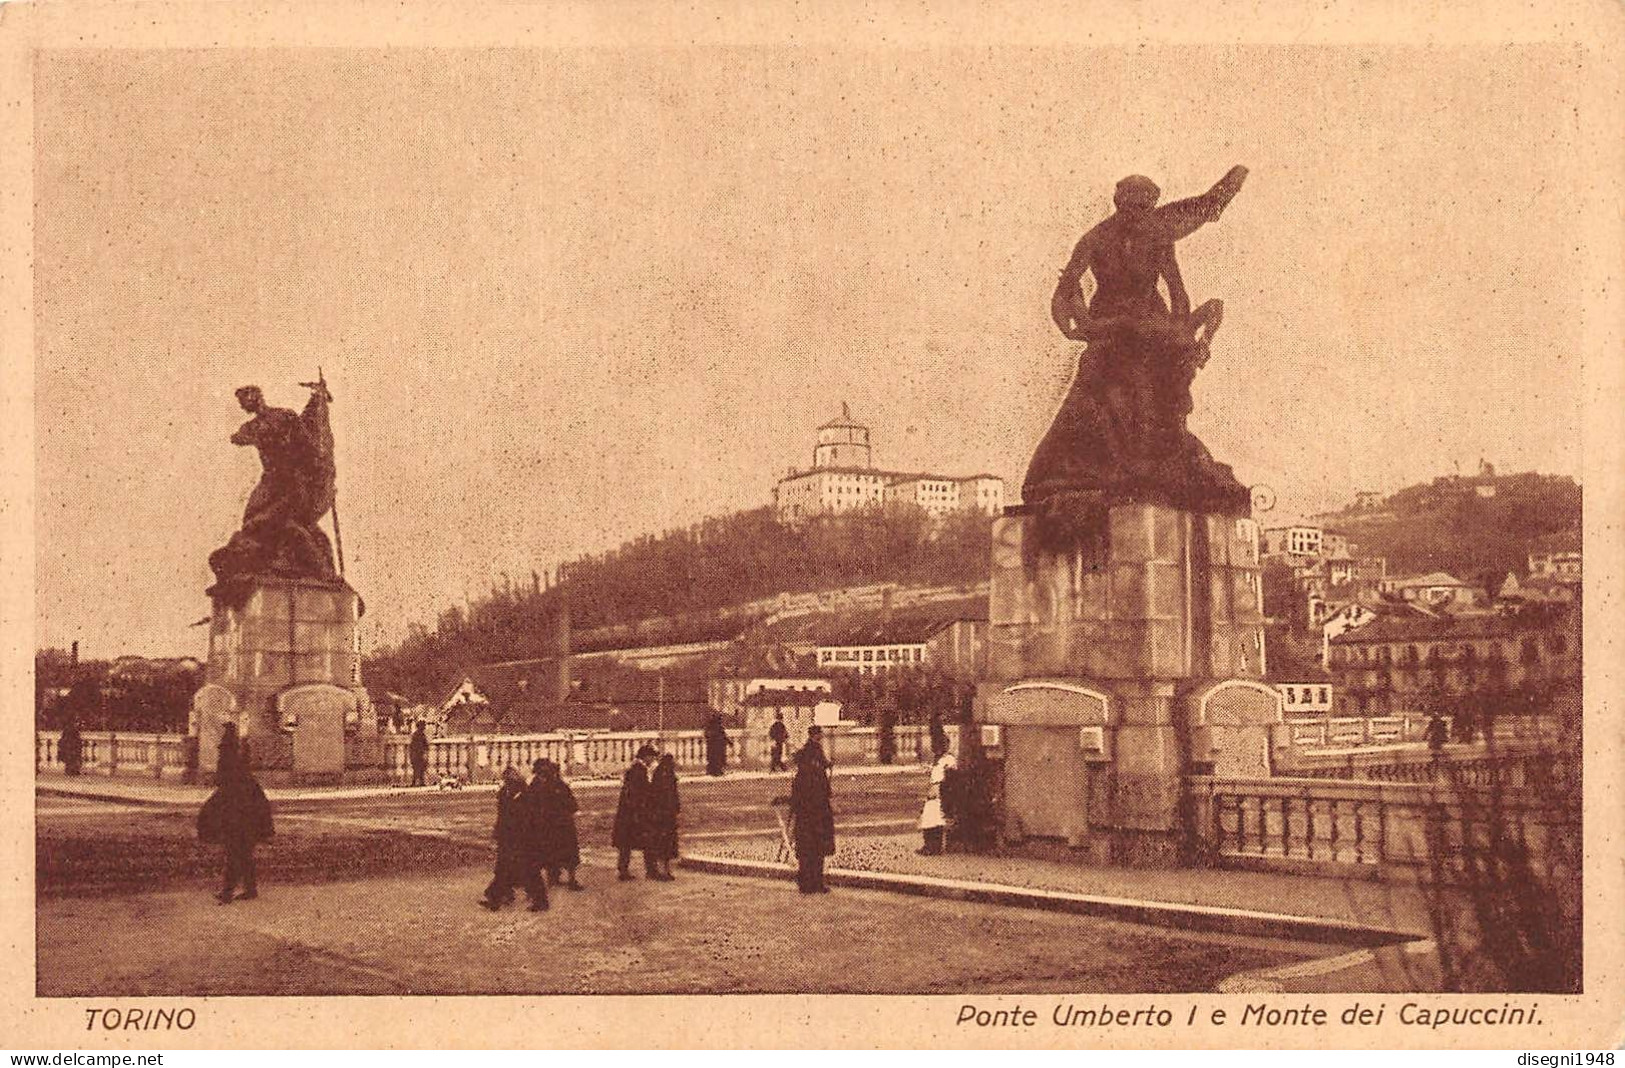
(1398, 664)
(1435, 590)
(843, 478)
(1557, 556)
(1294, 541)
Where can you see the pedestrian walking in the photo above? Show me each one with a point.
(226, 754)
(553, 829)
(1437, 734)
(512, 835)
(814, 817)
(717, 744)
(937, 810)
(663, 808)
(236, 816)
(418, 748)
(632, 816)
(71, 748)
(779, 735)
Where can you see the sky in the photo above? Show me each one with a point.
(567, 297)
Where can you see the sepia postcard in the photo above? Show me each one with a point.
(782, 525)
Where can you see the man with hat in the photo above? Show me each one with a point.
(632, 815)
(814, 817)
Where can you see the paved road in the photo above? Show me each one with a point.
(377, 895)
(711, 807)
(423, 934)
(87, 846)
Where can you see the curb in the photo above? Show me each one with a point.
(1279, 980)
(113, 798)
(1153, 913)
(112, 790)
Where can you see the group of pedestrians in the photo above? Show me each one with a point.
(537, 843)
(536, 838)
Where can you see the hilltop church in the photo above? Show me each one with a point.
(843, 478)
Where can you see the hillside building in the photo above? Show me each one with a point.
(1391, 665)
(844, 478)
(1436, 590)
(1556, 556)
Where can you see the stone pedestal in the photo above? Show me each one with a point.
(1117, 668)
(284, 665)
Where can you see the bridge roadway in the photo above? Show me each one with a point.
(727, 807)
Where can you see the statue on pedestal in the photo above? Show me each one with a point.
(280, 535)
(1120, 435)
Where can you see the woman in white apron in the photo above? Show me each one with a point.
(933, 821)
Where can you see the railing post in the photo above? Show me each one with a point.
(1308, 826)
(112, 753)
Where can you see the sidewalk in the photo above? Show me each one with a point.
(140, 790)
(1352, 911)
(422, 933)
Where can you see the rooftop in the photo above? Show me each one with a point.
(1436, 578)
(1443, 628)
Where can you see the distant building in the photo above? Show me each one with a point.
(1294, 541)
(1556, 556)
(149, 669)
(922, 641)
(844, 478)
(1390, 665)
(1305, 697)
(1367, 500)
(731, 695)
(1435, 590)
(1297, 673)
(1536, 589)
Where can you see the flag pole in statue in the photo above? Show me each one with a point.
(320, 428)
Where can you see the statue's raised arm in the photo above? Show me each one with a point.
(1171, 222)
(1121, 432)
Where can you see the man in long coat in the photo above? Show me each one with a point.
(553, 824)
(779, 735)
(813, 814)
(71, 748)
(418, 749)
(514, 850)
(632, 816)
(238, 816)
(717, 744)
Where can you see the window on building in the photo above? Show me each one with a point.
(1325, 696)
(868, 654)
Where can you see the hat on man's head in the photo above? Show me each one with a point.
(647, 751)
(539, 763)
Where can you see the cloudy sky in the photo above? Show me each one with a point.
(566, 297)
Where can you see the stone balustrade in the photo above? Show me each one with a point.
(481, 758)
(158, 756)
(1322, 825)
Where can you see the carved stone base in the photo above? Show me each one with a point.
(1120, 666)
(284, 666)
